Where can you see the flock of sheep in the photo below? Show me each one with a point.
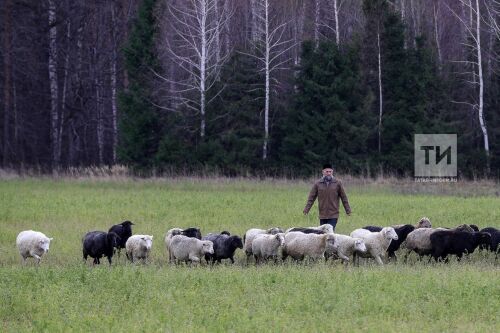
(188, 245)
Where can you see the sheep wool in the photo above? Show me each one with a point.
(302, 245)
(265, 246)
(252, 233)
(345, 246)
(139, 247)
(32, 244)
(376, 243)
(185, 248)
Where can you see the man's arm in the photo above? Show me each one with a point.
(310, 200)
(343, 197)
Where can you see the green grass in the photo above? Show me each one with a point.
(63, 294)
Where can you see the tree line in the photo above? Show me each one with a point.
(248, 87)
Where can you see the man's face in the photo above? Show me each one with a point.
(327, 172)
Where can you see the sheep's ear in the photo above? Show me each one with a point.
(51, 238)
(151, 237)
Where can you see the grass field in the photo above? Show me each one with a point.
(64, 294)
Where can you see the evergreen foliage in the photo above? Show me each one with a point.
(139, 120)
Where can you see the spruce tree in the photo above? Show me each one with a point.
(139, 120)
(328, 120)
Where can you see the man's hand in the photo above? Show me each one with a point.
(305, 212)
(349, 214)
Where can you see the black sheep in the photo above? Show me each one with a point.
(192, 232)
(124, 231)
(97, 244)
(495, 239)
(402, 232)
(224, 247)
(446, 242)
(306, 230)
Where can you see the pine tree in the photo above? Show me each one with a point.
(139, 120)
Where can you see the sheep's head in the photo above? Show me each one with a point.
(147, 241)
(389, 233)
(236, 242)
(484, 237)
(113, 239)
(207, 247)
(424, 223)
(280, 238)
(474, 227)
(327, 228)
(44, 244)
(127, 223)
(359, 245)
(274, 231)
(330, 241)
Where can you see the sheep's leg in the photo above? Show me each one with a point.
(109, 259)
(194, 258)
(379, 260)
(343, 257)
(232, 259)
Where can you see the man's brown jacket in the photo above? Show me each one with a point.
(328, 194)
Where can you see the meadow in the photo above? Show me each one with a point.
(65, 294)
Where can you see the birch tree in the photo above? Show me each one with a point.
(473, 42)
(196, 50)
(271, 47)
(54, 92)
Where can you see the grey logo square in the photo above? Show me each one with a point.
(435, 155)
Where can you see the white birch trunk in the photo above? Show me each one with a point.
(436, 34)
(203, 61)
(226, 28)
(217, 33)
(336, 9)
(379, 93)
(267, 96)
(481, 85)
(54, 93)
(316, 23)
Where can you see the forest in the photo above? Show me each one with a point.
(248, 87)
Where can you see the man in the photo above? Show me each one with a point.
(328, 190)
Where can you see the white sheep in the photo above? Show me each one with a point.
(138, 247)
(32, 244)
(250, 235)
(266, 246)
(299, 245)
(168, 237)
(185, 248)
(345, 246)
(326, 228)
(376, 243)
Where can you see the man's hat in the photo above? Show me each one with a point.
(327, 166)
